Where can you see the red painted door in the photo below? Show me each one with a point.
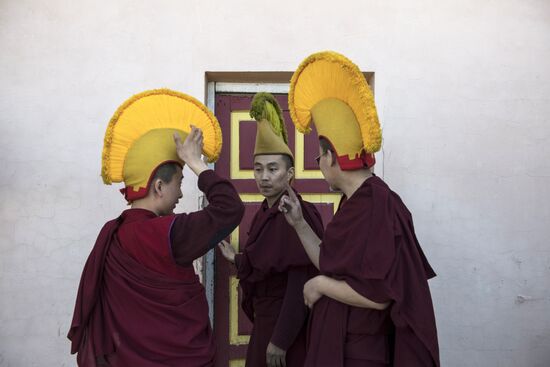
(231, 326)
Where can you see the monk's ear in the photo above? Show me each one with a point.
(331, 157)
(290, 174)
(157, 187)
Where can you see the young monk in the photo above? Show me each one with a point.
(371, 304)
(273, 267)
(140, 302)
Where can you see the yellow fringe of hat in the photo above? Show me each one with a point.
(152, 110)
(329, 75)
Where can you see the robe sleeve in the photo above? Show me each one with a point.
(395, 269)
(243, 265)
(194, 234)
(293, 312)
(244, 269)
(374, 249)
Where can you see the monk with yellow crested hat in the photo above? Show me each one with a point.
(371, 305)
(140, 302)
(273, 266)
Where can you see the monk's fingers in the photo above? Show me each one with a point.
(177, 139)
(291, 193)
(308, 296)
(193, 135)
(291, 203)
(198, 135)
(274, 359)
(224, 246)
(283, 203)
(292, 207)
(190, 137)
(192, 132)
(227, 246)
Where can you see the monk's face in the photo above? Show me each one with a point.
(169, 194)
(272, 174)
(328, 167)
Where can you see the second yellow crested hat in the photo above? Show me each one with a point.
(329, 90)
(139, 137)
(271, 134)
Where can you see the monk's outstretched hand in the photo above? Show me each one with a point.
(290, 206)
(275, 356)
(227, 251)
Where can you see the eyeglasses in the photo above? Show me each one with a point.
(318, 158)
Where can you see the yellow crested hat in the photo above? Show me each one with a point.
(330, 90)
(271, 134)
(139, 137)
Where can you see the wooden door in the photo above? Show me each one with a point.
(231, 326)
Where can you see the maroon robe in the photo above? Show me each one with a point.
(272, 271)
(140, 302)
(370, 243)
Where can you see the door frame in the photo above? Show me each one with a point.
(235, 82)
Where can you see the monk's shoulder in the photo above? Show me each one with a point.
(391, 201)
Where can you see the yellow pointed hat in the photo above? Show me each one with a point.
(139, 137)
(271, 134)
(330, 90)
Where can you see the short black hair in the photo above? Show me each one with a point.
(166, 172)
(288, 161)
(325, 146)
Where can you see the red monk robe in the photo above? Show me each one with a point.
(370, 243)
(140, 302)
(272, 270)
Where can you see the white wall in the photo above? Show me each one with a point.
(463, 91)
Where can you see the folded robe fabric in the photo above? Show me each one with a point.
(129, 315)
(371, 244)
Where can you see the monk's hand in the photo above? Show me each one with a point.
(290, 206)
(190, 150)
(275, 356)
(312, 290)
(227, 251)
